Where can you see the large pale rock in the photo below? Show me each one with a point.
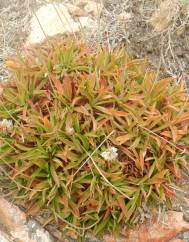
(15, 222)
(53, 19)
(159, 232)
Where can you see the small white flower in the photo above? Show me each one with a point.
(70, 130)
(6, 125)
(110, 153)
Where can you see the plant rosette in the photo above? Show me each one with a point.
(90, 136)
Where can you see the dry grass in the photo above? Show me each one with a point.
(13, 28)
(152, 29)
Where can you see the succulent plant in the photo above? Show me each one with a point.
(90, 136)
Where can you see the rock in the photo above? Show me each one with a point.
(181, 31)
(81, 3)
(75, 10)
(16, 224)
(94, 8)
(176, 240)
(108, 238)
(186, 215)
(185, 236)
(124, 17)
(158, 232)
(111, 238)
(85, 22)
(4, 237)
(53, 19)
(163, 17)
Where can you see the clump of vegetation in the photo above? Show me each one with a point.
(90, 136)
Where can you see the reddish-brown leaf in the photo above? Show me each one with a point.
(46, 122)
(112, 111)
(57, 83)
(67, 87)
(121, 203)
(124, 138)
(182, 118)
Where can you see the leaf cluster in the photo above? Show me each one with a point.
(68, 105)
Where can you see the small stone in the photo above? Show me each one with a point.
(85, 22)
(81, 3)
(186, 216)
(186, 236)
(75, 11)
(124, 17)
(93, 8)
(181, 31)
(109, 238)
